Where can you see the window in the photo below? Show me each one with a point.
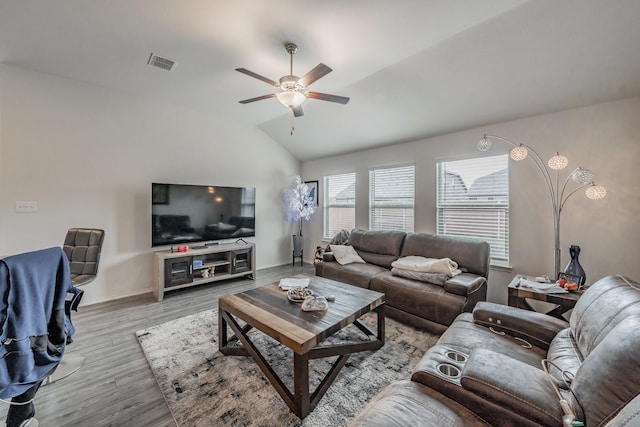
(248, 202)
(339, 203)
(473, 201)
(391, 198)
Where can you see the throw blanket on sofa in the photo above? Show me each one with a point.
(340, 238)
(427, 265)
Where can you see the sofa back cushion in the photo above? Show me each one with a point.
(564, 358)
(602, 306)
(471, 255)
(607, 380)
(377, 247)
(628, 415)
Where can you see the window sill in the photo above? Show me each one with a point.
(500, 266)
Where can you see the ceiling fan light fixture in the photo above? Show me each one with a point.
(291, 98)
(293, 89)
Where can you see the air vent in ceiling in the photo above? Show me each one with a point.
(160, 62)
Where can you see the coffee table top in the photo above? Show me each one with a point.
(268, 309)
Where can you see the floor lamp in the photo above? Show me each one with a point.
(577, 179)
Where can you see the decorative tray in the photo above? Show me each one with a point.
(298, 294)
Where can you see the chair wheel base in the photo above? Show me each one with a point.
(31, 422)
(69, 364)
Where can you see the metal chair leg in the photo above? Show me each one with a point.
(69, 364)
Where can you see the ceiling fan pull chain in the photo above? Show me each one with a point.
(292, 126)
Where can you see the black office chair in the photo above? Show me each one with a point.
(82, 246)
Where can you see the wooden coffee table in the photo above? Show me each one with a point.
(268, 310)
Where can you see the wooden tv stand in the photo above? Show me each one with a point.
(177, 270)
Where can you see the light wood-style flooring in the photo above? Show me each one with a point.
(115, 386)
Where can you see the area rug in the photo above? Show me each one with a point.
(202, 387)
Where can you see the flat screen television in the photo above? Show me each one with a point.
(190, 214)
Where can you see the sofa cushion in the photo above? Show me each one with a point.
(356, 274)
(419, 298)
(603, 305)
(406, 403)
(515, 387)
(430, 372)
(435, 278)
(628, 416)
(345, 254)
(564, 358)
(377, 247)
(471, 255)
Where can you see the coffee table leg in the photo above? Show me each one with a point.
(222, 331)
(301, 384)
(381, 329)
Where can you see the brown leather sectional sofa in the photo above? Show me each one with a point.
(421, 304)
(486, 369)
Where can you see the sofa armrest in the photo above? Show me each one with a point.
(513, 385)
(535, 328)
(464, 284)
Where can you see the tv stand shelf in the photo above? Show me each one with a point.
(177, 270)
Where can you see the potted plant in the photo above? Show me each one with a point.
(300, 205)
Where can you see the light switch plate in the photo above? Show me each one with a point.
(27, 206)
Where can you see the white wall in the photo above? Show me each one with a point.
(88, 156)
(604, 138)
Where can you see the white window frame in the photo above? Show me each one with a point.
(478, 212)
(392, 195)
(342, 182)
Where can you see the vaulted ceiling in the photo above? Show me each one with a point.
(412, 68)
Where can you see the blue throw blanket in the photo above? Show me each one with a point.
(33, 323)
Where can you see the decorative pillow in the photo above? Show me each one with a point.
(427, 265)
(435, 278)
(345, 254)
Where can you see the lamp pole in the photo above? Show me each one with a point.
(582, 177)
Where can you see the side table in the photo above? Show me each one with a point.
(517, 297)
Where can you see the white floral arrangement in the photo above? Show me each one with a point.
(300, 205)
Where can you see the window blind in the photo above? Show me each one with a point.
(473, 201)
(339, 203)
(392, 198)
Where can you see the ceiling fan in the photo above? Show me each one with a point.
(293, 88)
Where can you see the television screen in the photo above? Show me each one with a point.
(198, 213)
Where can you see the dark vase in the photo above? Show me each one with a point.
(574, 268)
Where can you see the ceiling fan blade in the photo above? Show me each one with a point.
(320, 70)
(327, 97)
(258, 76)
(258, 98)
(297, 111)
